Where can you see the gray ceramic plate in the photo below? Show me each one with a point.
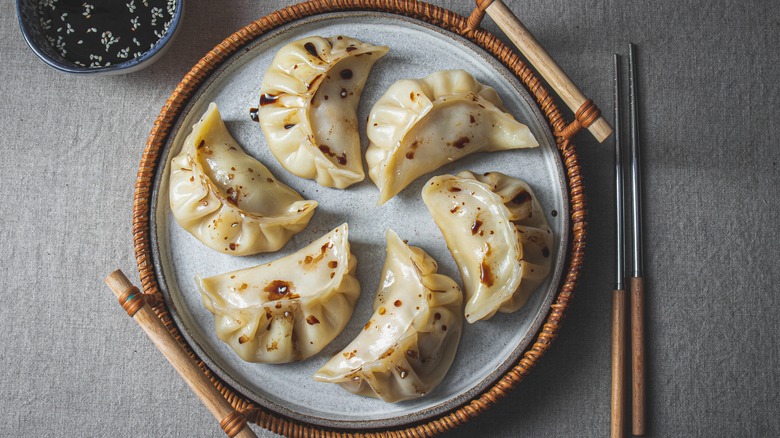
(487, 349)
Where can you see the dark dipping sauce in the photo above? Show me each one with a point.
(95, 34)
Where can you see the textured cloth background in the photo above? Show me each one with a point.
(72, 364)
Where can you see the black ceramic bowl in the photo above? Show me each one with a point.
(31, 24)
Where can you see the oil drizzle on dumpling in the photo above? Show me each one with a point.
(420, 125)
(308, 107)
(408, 345)
(228, 200)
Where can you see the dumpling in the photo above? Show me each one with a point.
(421, 125)
(498, 235)
(289, 309)
(227, 199)
(407, 347)
(308, 107)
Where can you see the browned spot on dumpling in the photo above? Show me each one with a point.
(289, 126)
(454, 209)
(397, 303)
(472, 119)
(201, 144)
(341, 159)
(475, 227)
(460, 143)
(233, 246)
(412, 354)
(387, 353)
(485, 274)
(401, 372)
(454, 189)
(311, 320)
(243, 339)
(311, 49)
(436, 316)
(268, 99)
(367, 326)
(412, 148)
(278, 289)
(309, 261)
(272, 346)
(350, 354)
(444, 328)
(546, 252)
(521, 198)
(243, 286)
(411, 96)
(382, 311)
(343, 93)
(253, 114)
(346, 74)
(333, 264)
(233, 195)
(350, 48)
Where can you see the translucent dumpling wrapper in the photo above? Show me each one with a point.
(497, 233)
(417, 126)
(406, 348)
(308, 107)
(228, 200)
(287, 310)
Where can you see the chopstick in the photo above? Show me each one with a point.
(618, 424)
(232, 422)
(544, 64)
(637, 274)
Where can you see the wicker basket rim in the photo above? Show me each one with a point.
(430, 14)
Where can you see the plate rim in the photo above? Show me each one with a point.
(159, 138)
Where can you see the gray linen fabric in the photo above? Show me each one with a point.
(73, 364)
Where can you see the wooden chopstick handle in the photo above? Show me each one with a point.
(544, 64)
(638, 355)
(619, 320)
(233, 423)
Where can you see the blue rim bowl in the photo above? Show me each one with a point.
(28, 22)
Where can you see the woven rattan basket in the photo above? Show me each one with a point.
(448, 21)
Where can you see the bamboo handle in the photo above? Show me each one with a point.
(618, 363)
(544, 64)
(638, 355)
(231, 421)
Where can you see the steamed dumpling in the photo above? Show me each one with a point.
(308, 107)
(421, 125)
(227, 199)
(498, 235)
(408, 345)
(289, 309)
